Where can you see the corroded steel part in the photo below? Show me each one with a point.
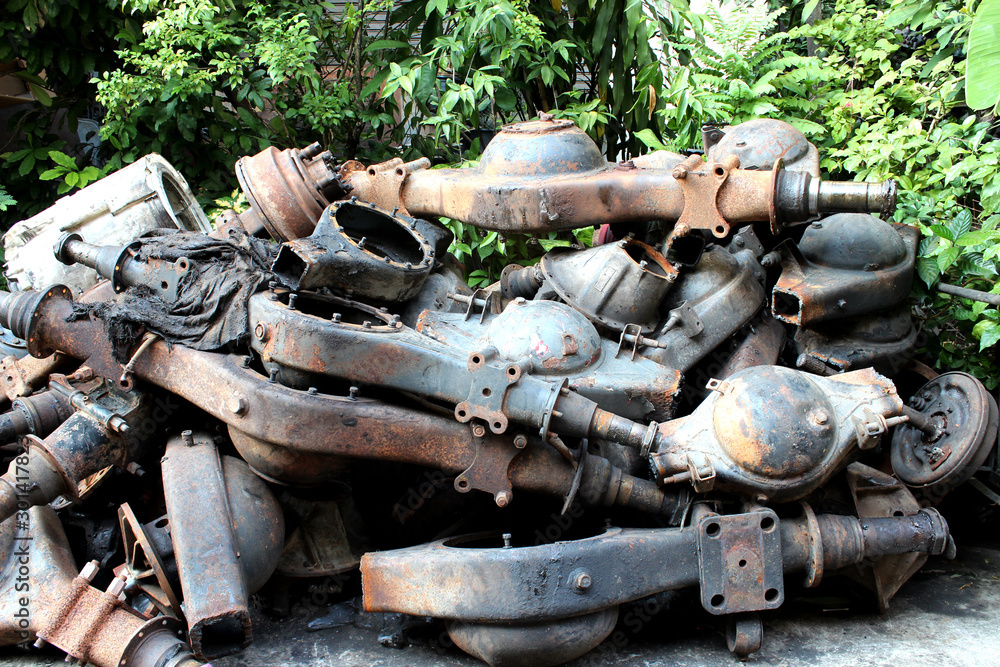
(39, 414)
(275, 417)
(761, 142)
(227, 530)
(707, 306)
(761, 347)
(147, 195)
(389, 354)
(359, 248)
(89, 441)
(952, 427)
(473, 579)
(867, 340)
(42, 596)
(552, 340)
(614, 285)
(119, 265)
(845, 266)
(20, 377)
(548, 175)
(775, 431)
(533, 644)
(288, 189)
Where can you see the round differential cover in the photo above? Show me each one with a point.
(967, 417)
(856, 241)
(761, 142)
(554, 336)
(541, 147)
(774, 422)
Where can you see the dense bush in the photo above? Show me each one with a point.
(882, 98)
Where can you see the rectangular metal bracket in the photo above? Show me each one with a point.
(739, 562)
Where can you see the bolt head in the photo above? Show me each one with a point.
(237, 405)
(581, 580)
(819, 416)
(89, 571)
(502, 499)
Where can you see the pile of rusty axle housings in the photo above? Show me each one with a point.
(718, 395)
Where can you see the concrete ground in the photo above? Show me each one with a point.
(947, 615)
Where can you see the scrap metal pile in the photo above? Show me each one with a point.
(718, 396)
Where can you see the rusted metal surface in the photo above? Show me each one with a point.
(227, 530)
(706, 307)
(614, 285)
(288, 189)
(554, 341)
(119, 265)
(93, 438)
(549, 643)
(548, 175)
(845, 265)
(475, 578)
(573, 392)
(951, 429)
(39, 415)
(51, 603)
(318, 545)
(868, 340)
(376, 254)
(762, 142)
(761, 347)
(775, 433)
(20, 377)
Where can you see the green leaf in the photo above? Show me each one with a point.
(927, 269)
(975, 238)
(26, 165)
(51, 174)
(943, 232)
(982, 85)
(549, 244)
(505, 99)
(62, 159)
(648, 137)
(386, 44)
(40, 94)
(947, 258)
(961, 223)
(808, 9)
(988, 333)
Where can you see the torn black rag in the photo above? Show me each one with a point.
(211, 307)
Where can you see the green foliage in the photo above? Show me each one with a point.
(69, 174)
(983, 84)
(5, 199)
(235, 201)
(205, 82)
(882, 98)
(64, 40)
(480, 63)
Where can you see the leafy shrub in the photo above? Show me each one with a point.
(883, 98)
